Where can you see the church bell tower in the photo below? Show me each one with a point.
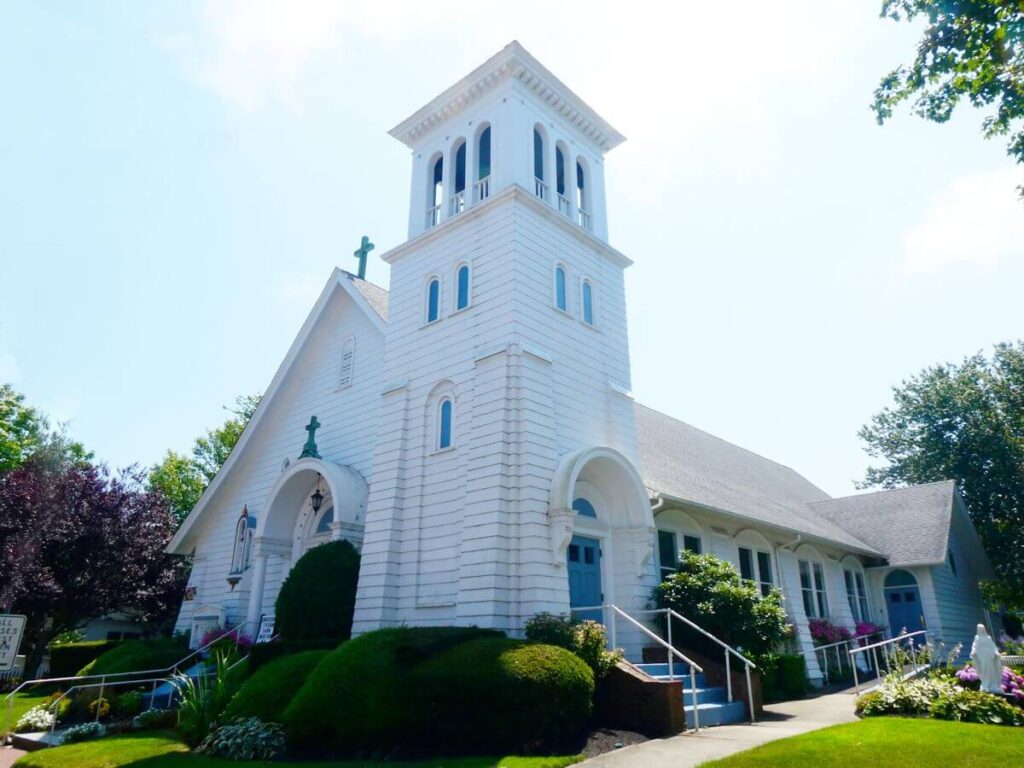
(506, 405)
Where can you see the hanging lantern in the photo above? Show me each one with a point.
(317, 499)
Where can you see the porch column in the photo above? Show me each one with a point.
(263, 548)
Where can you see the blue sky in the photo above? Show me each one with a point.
(180, 178)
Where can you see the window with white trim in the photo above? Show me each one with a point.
(756, 567)
(588, 302)
(445, 415)
(348, 355)
(433, 300)
(812, 589)
(462, 287)
(668, 550)
(242, 550)
(561, 300)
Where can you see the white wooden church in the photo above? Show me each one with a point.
(475, 435)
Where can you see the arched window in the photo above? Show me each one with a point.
(433, 300)
(323, 525)
(560, 296)
(540, 189)
(462, 287)
(812, 589)
(483, 160)
(435, 197)
(444, 424)
(583, 507)
(588, 303)
(459, 195)
(348, 355)
(242, 549)
(583, 197)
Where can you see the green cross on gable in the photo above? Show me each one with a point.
(361, 253)
(309, 450)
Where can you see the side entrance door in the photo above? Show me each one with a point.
(904, 609)
(584, 565)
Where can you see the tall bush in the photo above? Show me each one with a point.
(709, 592)
(587, 639)
(318, 596)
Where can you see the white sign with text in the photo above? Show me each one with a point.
(11, 629)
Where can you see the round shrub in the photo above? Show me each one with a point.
(247, 739)
(136, 656)
(497, 694)
(359, 697)
(319, 594)
(272, 687)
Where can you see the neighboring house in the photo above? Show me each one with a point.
(475, 434)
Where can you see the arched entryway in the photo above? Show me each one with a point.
(903, 602)
(290, 525)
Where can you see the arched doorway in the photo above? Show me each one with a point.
(903, 601)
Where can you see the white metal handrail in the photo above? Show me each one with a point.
(670, 649)
(748, 664)
(886, 645)
(103, 677)
(824, 649)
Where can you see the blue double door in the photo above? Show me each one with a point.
(583, 559)
(905, 611)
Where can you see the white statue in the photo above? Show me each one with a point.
(987, 661)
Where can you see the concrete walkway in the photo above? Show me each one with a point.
(780, 720)
(8, 755)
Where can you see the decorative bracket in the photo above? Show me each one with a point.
(560, 522)
(643, 539)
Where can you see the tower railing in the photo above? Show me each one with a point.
(563, 205)
(483, 188)
(586, 220)
(540, 189)
(433, 216)
(458, 202)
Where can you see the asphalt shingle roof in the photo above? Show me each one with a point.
(910, 525)
(375, 296)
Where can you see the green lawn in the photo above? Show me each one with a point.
(162, 750)
(23, 702)
(891, 741)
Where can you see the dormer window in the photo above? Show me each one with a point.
(483, 160)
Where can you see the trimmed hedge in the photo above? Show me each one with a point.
(318, 596)
(783, 677)
(357, 699)
(137, 656)
(264, 653)
(495, 695)
(446, 689)
(66, 659)
(268, 692)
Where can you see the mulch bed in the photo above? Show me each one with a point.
(608, 740)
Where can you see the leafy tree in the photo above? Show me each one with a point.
(971, 50)
(21, 428)
(710, 592)
(182, 479)
(964, 422)
(77, 542)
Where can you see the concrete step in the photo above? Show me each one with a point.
(35, 740)
(716, 713)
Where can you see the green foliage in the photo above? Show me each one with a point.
(587, 639)
(357, 698)
(83, 732)
(127, 705)
(264, 653)
(67, 658)
(136, 656)
(318, 596)
(271, 688)
(964, 422)
(182, 479)
(913, 696)
(162, 719)
(203, 700)
(21, 428)
(498, 694)
(975, 707)
(783, 676)
(709, 592)
(971, 50)
(246, 739)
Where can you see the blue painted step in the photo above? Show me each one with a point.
(711, 701)
(721, 713)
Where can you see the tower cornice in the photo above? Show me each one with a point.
(513, 62)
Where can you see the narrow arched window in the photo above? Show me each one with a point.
(435, 198)
(559, 171)
(460, 167)
(483, 154)
(348, 356)
(433, 300)
(560, 298)
(588, 303)
(586, 219)
(444, 425)
(462, 287)
(538, 155)
(242, 542)
(581, 183)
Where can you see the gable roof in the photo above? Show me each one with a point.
(909, 525)
(690, 465)
(371, 299)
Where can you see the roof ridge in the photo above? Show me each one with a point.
(884, 490)
(739, 447)
(353, 277)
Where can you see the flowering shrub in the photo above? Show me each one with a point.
(865, 628)
(586, 639)
(39, 718)
(896, 696)
(247, 739)
(155, 718)
(83, 732)
(1012, 646)
(243, 640)
(968, 677)
(824, 632)
(99, 708)
(1013, 685)
(975, 707)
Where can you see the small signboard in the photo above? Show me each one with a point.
(11, 629)
(266, 631)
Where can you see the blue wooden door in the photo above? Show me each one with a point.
(904, 609)
(584, 564)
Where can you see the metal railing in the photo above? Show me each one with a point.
(821, 653)
(163, 673)
(888, 647)
(728, 650)
(669, 649)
